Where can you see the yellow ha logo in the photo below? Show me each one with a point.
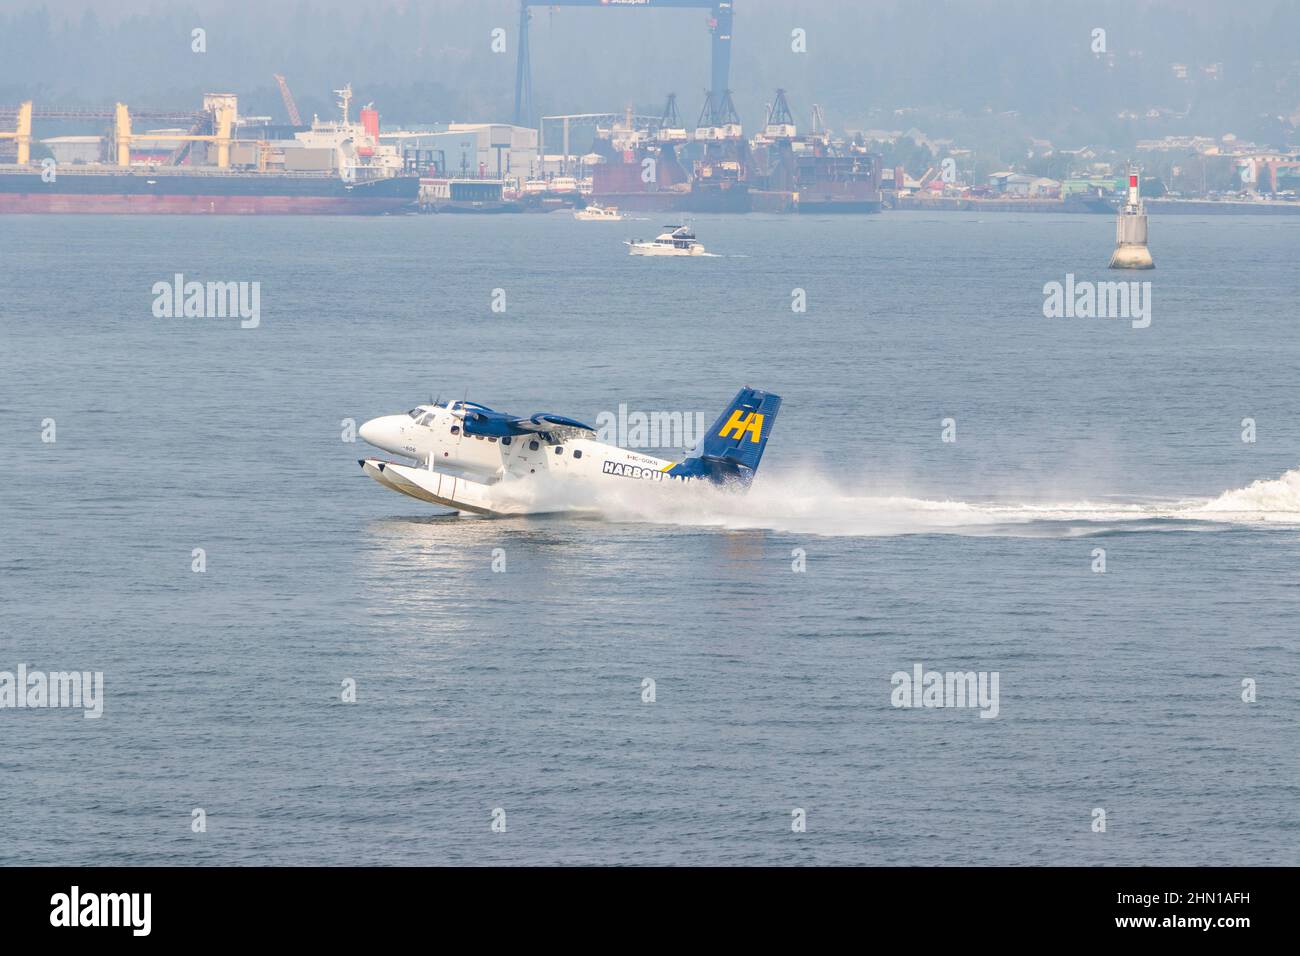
(743, 423)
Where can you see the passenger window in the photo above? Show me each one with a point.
(559, 449)
(532, 446)
(577, 453)
(506, 440)
(455, 429)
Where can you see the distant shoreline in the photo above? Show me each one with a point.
(1217, 207)
(1098, 207)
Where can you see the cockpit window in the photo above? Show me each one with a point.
(415, 412)
(426, 419)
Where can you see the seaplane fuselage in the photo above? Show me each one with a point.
(467, 457)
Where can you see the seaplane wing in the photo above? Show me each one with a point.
(470, 458)
(488, 423)
(544, 422)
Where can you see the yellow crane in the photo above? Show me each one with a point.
(123, 137)
(23, 134)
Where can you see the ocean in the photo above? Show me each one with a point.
(1106, 517)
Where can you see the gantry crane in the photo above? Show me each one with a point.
(719, 23)
(224, 122)
(122, 135)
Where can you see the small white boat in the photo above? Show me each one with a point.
(595, 213)
(679, 241)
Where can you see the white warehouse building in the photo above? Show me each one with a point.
(494, 149)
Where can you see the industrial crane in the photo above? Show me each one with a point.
(22, 136)
(780, 122)
(718, 119)
(122, 135)
(719, 22)
(290, 106)
(818, 134)
(671, 128)
(223, 125)
(779, 136)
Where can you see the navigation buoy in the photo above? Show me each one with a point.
(1131, 250)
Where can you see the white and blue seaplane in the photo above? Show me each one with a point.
(467, 457)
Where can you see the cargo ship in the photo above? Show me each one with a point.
(188, 191)
(334, 167)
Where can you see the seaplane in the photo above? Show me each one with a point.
(469, 458)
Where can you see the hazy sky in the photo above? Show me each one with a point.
(433, 60)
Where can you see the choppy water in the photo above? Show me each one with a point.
(523, 690)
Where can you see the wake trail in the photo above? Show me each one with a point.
(807, 503)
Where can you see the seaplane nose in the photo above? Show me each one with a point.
(381, 432)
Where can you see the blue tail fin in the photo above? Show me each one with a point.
(732, 447)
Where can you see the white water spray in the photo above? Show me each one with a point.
(811, 504)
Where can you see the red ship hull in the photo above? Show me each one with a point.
(44, 203)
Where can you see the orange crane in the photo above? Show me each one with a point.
(290, 106)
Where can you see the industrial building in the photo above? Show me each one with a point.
(496, 150)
